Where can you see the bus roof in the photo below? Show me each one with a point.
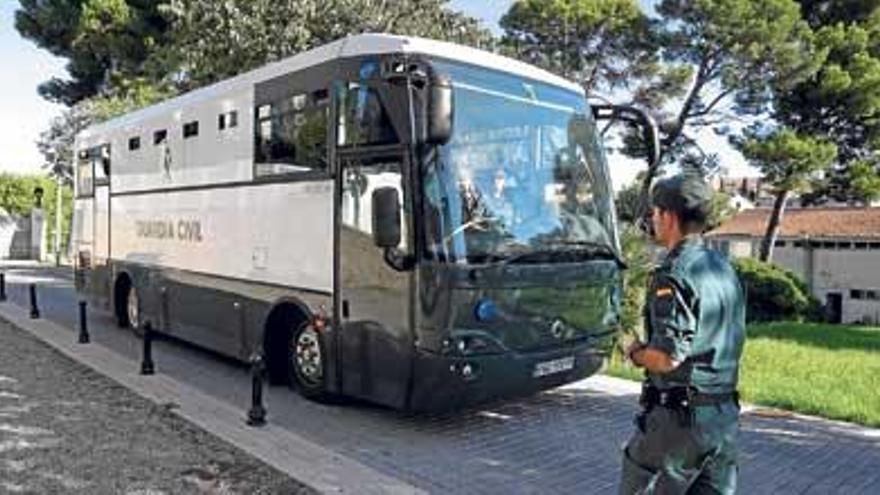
(351, 46)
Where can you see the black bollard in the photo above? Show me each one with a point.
(147, 367)
(35, 311)
(257, 413)
(83, 328)
(2, 287)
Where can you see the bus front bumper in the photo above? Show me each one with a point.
(443, 382)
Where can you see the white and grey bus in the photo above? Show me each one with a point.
(415, 223)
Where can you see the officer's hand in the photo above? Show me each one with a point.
(634, 346)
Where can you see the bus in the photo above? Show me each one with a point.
(411, 222)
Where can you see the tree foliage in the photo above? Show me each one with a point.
(842, 99)
(214, 40)
(104, 41)
(789, 162)
(56, 142)
(637, 254)
(17, 197)
(602, 44)
(736, 50)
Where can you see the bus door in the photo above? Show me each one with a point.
(83, 228)
(373, 303)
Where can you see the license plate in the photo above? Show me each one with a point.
(554, 366)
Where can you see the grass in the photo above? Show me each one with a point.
(831, 371)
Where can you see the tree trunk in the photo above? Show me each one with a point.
(773, 226)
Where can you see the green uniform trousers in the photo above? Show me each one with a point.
(665, 456)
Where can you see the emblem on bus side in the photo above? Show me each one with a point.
(166, 163)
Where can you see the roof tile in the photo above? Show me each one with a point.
(812, 222)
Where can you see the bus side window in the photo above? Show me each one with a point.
(363, 120)
(291, 134)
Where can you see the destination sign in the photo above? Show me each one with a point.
(181, 230)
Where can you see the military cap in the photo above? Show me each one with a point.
(682, 193)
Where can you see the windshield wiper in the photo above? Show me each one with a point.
(597, 248)
(594, 250)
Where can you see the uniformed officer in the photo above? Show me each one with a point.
(686, 437)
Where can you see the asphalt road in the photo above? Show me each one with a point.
(563, 441)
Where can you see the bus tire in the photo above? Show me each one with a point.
(120, 301)
(306, 358)
(133, 310)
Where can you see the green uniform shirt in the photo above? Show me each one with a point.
(695, 311)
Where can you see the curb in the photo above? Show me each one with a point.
(295, 456)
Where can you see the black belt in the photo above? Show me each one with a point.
(683, 397)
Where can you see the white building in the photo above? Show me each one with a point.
(836, 251)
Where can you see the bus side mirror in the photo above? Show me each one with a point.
(652, 149)
(440, 111)
(386, 217)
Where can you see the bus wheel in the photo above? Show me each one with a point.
(306, 356)
(133, 309)
(121, 296)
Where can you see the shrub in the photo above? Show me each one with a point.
(774, 293)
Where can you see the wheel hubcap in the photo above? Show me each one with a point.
(307, 356)
(133, 308)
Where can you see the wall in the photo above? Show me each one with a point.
(830, 270)
(23, 237)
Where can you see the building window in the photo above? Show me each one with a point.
(872, 295)
(875, 245)
(844, 245)
(779, 244)
(291, 134)
(159, 137)
(829, 245)
(227, 120)
(861, 245)
(191, 129)
(856, 294)
(134, 143)
(798, 244)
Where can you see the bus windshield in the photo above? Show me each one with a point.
(523, 172)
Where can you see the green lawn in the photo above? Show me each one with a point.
(825, 370)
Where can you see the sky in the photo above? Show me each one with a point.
(25, 114)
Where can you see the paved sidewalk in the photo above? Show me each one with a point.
(66, 429)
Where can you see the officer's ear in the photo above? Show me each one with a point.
(671, 221)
